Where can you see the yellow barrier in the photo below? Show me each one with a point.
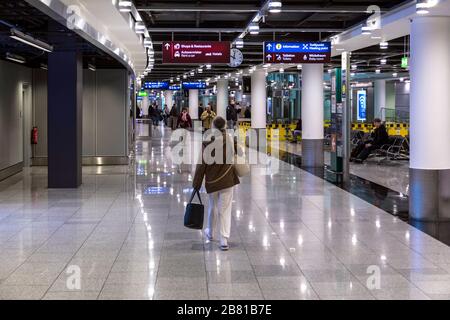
(285, 131)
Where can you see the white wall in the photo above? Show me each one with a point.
(12, 76)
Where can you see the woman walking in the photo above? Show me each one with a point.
(220, 178)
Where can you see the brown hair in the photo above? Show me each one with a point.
(219, 123)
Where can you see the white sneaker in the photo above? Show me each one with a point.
(224, 244)
(208, 234)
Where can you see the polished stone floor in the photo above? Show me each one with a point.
(392, 174)
(294, 236)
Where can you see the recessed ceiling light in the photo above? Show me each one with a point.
(253, 28)
(124, 6)
(275, 6)
(384, 45)
(366, 30)
(239, 43)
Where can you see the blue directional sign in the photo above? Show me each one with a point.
(161, 85)
(194, 85)
(175, 87)
(362, 105)
(297, 52)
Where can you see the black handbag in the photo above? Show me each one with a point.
(193, 216)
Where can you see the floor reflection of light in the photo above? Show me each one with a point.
(282, 225)
(329, 224)
(352, 212)
(351, 285)
(185, 203)
(383, 257)
(407, 235)
(267, 214)
(303, 288)
(282, 262)
(151, 291)
(378, 224)
(265, 241)
(354, 239)
(300, 240)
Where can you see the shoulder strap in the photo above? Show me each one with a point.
(193, 195)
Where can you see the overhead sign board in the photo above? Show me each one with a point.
(175, 87)
(196, 52)
(362, 105)
(194, 85)
(297, 52)
(161, 85)
(143, 94)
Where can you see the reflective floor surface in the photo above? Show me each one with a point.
(294, 236)
(392, 174)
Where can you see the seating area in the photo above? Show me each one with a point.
(396, 149)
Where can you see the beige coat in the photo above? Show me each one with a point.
(207, 119)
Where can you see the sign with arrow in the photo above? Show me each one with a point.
(196, 52)
(297, 52)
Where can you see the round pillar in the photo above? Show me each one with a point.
(168, 98)
(259, 99)
(222, 97)
(312, 115)
(193, 103)
(380, 99)
(430, 119)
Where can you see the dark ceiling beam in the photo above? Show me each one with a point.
(240, 30)
(235, 8)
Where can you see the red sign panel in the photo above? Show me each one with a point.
(196, 52)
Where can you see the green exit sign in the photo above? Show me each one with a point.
(405, 62)
(143, 94)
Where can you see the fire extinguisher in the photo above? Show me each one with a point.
(34, 135)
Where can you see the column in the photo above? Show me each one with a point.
(380, 99)
(144, 105)
(193, 103)
(259, 99)
(222, 97)
(429, 195)
(65, 97)
(312, 115)
(168, 98)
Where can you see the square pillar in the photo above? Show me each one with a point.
(65, 89)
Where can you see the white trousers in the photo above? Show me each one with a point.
(220, 204)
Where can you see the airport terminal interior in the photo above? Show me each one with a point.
(340, 109)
